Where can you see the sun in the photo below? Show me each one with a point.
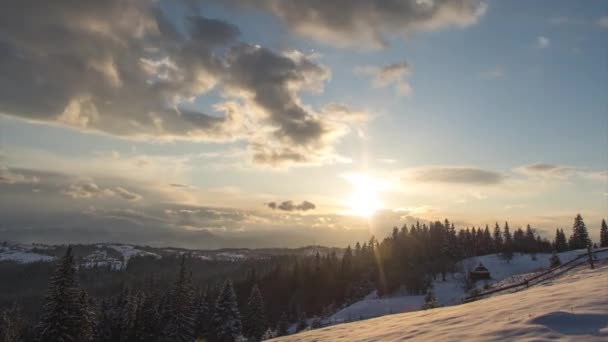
(364, 200)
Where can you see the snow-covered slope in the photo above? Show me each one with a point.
(22, 254)
(449, 292)
(573, 307)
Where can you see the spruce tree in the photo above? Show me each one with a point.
(283, 325)
(554, 261)
(201, 317)
(430, 301)
(302, 323)
(85, 317)
(507, 250)
(226, 316)
(497, 239)
(604, 234)
(180, 326)
(254, 320)
(269, 334)
(580, 236)
(60, 321)
(12, 325)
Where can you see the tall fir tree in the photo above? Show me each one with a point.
(254, 319)
(580, 237)
(202, 315)
(226, 317)
(604, 234)
(12, 325)
(283, 325)
(497, 239)
(507, 249)
(60, 320)
(180, 326)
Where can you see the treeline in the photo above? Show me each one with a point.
(266, 302)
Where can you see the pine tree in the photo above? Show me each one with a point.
(580, 237)
(254, 319)
(315, 323)
(12, 325)
(180, 326)
(554, 261)
(226, 315)
(202, 315)
(269, 334)
(60, 321)
(302, 324)
(497, 239)
(85, 317)
(604, 234)
(507, 250)
(283, 325)
(430, 301)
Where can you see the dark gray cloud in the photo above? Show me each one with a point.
(456, 175)
(367, 22)
(291, 206)
(125, 68)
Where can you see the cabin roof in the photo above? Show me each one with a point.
(481, 269)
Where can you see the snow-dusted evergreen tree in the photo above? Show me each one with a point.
(497, 238)
(560, 244)
(226, 317)
(507, 248)
(604, 234)
(268, 334)
(554, 261)
(60, 321)
(283, 325)
(85, 317)
(12, 325)
(180, 326)
(430, 301)
(202, 315)
(254, 319)
(580, 237)
(302, 323)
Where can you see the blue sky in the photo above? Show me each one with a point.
(506, 118)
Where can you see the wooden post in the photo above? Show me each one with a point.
(590, 255)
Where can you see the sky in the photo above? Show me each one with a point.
(209, 124)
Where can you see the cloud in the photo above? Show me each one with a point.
(126, 69)
(91, 190)
(454, 175)
(603, 22)
(8, 176)
(126, 194)
(291, 206)
(368, 23)
(392, 74)
(560, 172)
(542, 42)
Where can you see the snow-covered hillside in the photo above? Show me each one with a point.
(22, 254)
(449, 292)
(573, 307)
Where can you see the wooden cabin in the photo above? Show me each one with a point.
(479, 273)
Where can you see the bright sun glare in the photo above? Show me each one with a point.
(364, 200)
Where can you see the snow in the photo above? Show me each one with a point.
(230, 256)
(128, 251)
(573, 307)
(451, 291)
(22, 254)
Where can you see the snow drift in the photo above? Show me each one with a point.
(573, 307)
